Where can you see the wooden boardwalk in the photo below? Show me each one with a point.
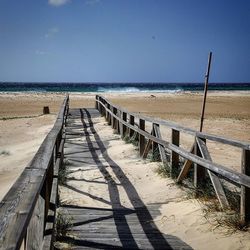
(99, 197)
(110, 225)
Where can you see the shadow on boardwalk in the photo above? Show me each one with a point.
(117, 227)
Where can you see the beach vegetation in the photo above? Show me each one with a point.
(5, 152)
(126, 138)
(63, 224)
(63, 172)
(154, 155)
(226, 218)
(163, 170)
(18, 117)
(135, 139)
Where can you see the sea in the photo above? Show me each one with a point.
(152, 87)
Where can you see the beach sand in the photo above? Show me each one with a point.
(227, 114)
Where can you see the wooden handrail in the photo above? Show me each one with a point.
(181, 128)
(230, 174)
(200, 156)
(30, 194)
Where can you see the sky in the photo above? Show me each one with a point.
(124, 40)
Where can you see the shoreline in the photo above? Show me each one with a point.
(127, 92)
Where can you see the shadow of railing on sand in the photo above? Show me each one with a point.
(123, 226)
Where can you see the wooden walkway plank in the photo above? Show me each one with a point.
(110, 225)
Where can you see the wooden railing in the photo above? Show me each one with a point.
(126, 123)
(27, 211)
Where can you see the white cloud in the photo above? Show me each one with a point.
(51, 32)
(92, 2)
(40, 53)
(58, 2)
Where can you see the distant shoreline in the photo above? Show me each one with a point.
(130, 94)
(120, 87)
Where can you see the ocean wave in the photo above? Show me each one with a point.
(136, 90)
(35, 90)
(121, 89)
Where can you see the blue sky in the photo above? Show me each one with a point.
(124, 40)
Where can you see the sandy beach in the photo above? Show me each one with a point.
(23, 127)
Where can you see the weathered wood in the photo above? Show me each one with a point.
(132, 123)
(115, 227)
(22, 201)
(245, 191)
(220, 193)
(157, 132)
(46, 110)
(186, 130)
(185, 168)
(154, 144)
(35, 231)
(106, 113)
(48, 187)
(174, 158)
(118, 123)
(205, 91)
(124, 128)
(199, 171)
(17, 207)
(97, 102)
(229, 174)
(50, 223)
(147, 148)
(141, 137)
(109, 116)
(115, 121)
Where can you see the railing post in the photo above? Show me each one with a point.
(106, 111)
(141, 137)
(114, 125)
(109, 116)
(245, 192)
(103, 109)
(199, 171)
(174, 159)
(99, 105)
(131, 122)
(154, 144)
(124, 127)
(96, 101)
(35, 230)
(118, 123)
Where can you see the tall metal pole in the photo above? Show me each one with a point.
(205, 90)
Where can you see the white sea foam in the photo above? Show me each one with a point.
(135, 90)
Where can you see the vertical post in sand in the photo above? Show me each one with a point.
(187, 165)
(199, 171)
(205, 90)
(124, 127)
(141, 137)
(96, 102)
(245, 191)
(131, 122)
(174, 158)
